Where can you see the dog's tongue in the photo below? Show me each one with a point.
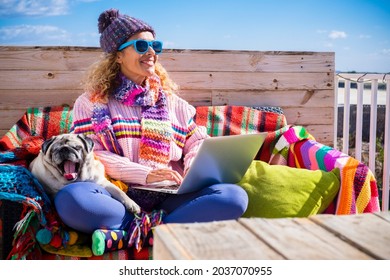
(70, 170)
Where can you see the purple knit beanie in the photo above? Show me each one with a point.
(115, 29)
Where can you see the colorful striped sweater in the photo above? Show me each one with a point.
(185, 142)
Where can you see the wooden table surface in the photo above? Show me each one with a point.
(320, 237)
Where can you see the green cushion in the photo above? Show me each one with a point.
(277, 191)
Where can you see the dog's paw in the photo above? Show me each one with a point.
(132, 207)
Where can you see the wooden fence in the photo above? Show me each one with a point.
(302, 83)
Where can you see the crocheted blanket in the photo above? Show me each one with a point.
(19, 185)
(358, 188)
(39, 123)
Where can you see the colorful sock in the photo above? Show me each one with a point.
(57, 237)
(104, 240)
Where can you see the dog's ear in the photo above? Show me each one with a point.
(47, 144)
(87, 142)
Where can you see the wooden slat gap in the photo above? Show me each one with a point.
(383, 215)
(249, 229)
(346, 239)
(175, 242)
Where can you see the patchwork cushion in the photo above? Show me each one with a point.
(232, 120)
(278, 191)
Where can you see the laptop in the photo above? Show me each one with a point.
(220, 159)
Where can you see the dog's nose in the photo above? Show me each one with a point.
(63, 151)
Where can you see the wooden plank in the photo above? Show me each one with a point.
(214, 240)
(252, 81)
(279, 98)
(252, 61)
(166, 246)
(48, 58)
(367, 232)
(9, 118)
(196, 97)
(37, 79)
(80, 58)
(305, 116)
(22, 99)
(43, 97)
(3, 132)
(322, 133)
(41, 80)
(300, 238)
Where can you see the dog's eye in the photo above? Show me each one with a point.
(78, 148)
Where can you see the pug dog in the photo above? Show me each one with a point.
(69, 158)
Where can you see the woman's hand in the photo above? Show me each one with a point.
(163, 174)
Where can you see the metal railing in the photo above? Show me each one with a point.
(363, 89)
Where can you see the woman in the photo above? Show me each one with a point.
(143, 133)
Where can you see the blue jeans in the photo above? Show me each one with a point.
(86, 206)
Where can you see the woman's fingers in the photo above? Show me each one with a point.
(164, 174)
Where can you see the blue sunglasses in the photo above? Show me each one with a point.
(142, 46)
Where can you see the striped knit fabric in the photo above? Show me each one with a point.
(358, 189)
(156, 129)
(43, 122)
(102, 126)
(233, 120)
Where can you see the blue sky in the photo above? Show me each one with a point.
(357, 31)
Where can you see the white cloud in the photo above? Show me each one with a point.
(45, 35)
(321, 31)
(328, 45)
(33, 7)
(386, 51)
(337, 34)
(364, 36)
(27, 35)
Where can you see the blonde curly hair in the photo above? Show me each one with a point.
(100, 79)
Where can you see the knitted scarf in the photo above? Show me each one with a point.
(156, 129)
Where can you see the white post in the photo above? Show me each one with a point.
(347, 107)
(386, 167)
(359, 122)
(373, 121)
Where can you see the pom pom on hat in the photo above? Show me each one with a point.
(115, 29)
(106, 18)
